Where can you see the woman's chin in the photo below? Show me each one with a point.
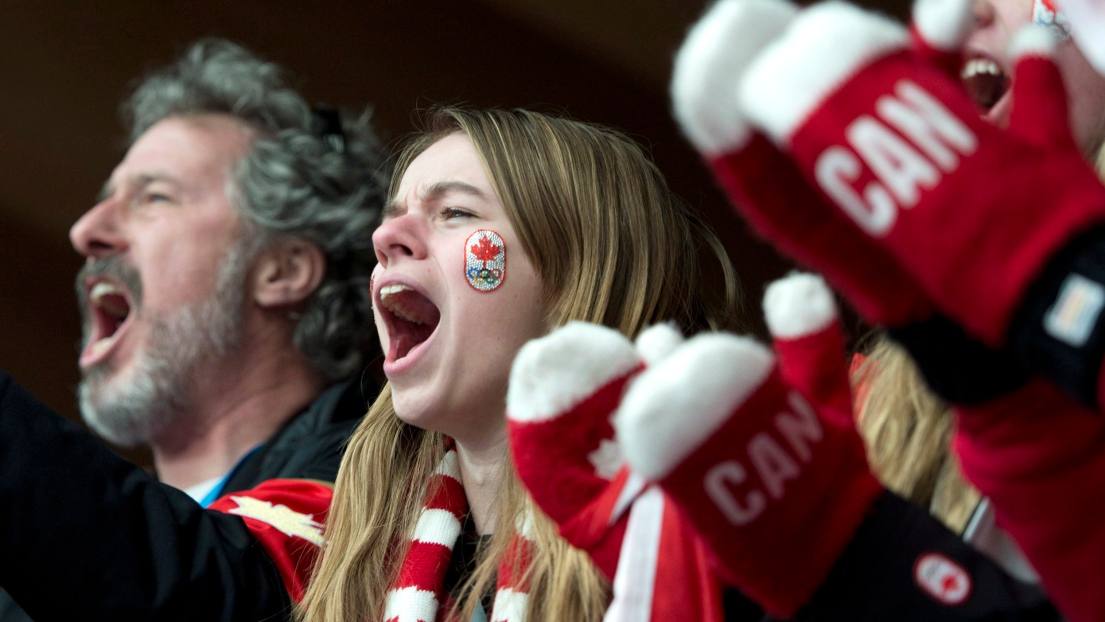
(413, 413)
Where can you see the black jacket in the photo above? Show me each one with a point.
(87, 535)
(876, 578)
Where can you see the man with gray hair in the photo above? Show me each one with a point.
(226, 307)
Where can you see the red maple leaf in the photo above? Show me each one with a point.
(485, 249)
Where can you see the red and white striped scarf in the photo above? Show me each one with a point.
(419, 590)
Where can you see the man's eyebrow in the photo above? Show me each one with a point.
(137, 182)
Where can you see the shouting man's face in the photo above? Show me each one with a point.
(163, 287)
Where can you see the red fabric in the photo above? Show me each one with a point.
(687, 585)
(293, 555)
(427, 562)
(552, 457)
(563, 444)
(826, 489)
(418, 593)
(949, 61)
(771, 193)
(975, 247)
(596, 528)
(1040, 458)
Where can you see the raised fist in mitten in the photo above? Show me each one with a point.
(763, 183)
(563, 391)
(759, 447)
(977, 215)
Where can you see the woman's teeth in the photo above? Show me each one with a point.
(985, 81)
(978, 66)
(394, 303)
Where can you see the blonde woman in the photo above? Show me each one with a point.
(501, 226)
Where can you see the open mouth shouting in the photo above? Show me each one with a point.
(986, 82)
(410, 318)
(108, 307)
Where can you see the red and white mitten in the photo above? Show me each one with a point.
(939, 30)
(762, 182)
(1040, 459)
(757, 447)
(563, 391)
(971, 211)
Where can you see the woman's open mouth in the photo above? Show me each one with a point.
(109, 308)
(410, 318)
(985, 80)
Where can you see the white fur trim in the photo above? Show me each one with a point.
(710, 64)
(554, 373)
(437, 527)
(607, 458)
(798, 305)
(944, 24)
(1033, 40)
(675, 406)
(657, 342)
(635, 579)
(825, 45)
(410, 604)
(510, 606)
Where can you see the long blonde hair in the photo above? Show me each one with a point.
(906, 429)
(612, 245)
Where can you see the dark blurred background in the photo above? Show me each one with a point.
(65, 66)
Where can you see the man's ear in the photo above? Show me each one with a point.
(287, 273)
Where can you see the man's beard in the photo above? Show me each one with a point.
(137, 407)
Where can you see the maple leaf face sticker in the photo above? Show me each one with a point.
(485, 260)
(485, 250)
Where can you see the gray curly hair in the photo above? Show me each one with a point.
(300, 179)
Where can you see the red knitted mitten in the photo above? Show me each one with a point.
(969, 210)
(759, 448)
(563, 391)
(762, 182)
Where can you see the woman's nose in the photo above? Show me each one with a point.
(399, 237)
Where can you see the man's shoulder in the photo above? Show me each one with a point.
(310, 445)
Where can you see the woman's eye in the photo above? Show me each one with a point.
(451, 212)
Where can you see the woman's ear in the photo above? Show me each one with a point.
(287, 273)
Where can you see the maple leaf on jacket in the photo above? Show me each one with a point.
(485, 249)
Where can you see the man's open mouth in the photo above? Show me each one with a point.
(410, 318)
(109, 306)
(986, 82)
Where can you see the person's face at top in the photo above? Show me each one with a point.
(154, 242)
(988, 71)
(448, 346)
